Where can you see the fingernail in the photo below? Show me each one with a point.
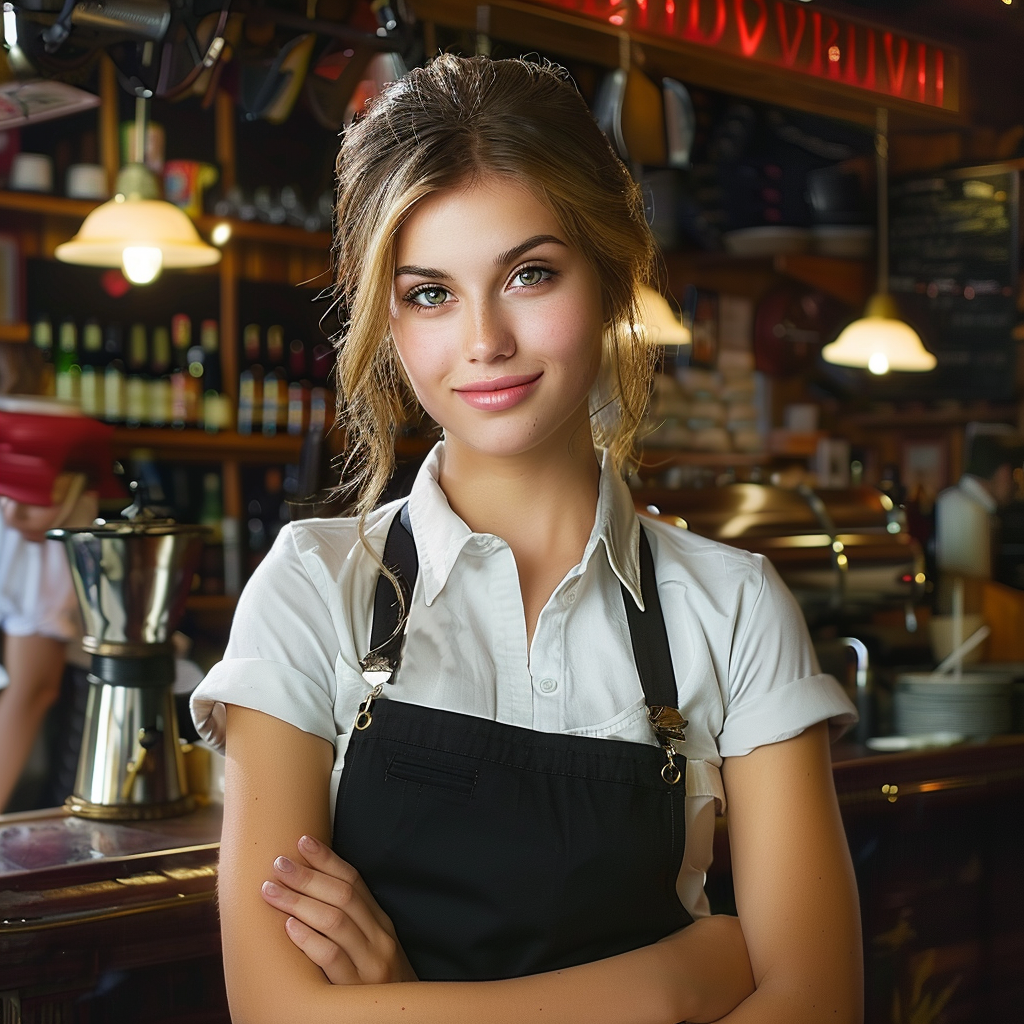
(309, 844)
(284, 864)
(269, 889)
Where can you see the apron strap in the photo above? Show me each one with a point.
(401, 559)
(649, 637)
(647, 631)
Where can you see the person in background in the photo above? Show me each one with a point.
(39, 613)
(965, 518)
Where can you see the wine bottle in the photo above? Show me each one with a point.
(183, 405)
(274, 387)
(250, 381)
(159, 405)
(68, 369)
(216, 408)
(298, 388)
(113, 375)
(211, 568)
(137, 387)
(92, 369)
(42, 338)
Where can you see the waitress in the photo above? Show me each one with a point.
(476, 741)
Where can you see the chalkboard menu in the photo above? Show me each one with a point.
(953, 255)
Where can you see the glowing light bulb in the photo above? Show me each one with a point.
(878, 364)
(142, 263)
(221, 233)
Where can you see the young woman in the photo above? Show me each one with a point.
(478, 802)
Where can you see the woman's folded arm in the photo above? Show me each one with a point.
(277, 789)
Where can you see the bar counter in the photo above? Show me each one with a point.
(117, 921)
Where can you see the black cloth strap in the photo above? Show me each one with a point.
(651, 651)
(401, 559)
(647, 632)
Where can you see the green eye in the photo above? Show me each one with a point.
(429, 296)
(529, 276)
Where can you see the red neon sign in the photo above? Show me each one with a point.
(787, 35)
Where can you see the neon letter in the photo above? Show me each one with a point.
(750, 41)
(868, 81)
(693, 30)
(790, 50)
(895, 73)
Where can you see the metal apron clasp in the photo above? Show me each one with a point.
(668, 725)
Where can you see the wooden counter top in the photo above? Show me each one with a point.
(112, 921)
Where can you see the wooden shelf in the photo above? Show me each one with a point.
(933, 417)
(850, 281)
(199, 446)
(15, 332)
(658, 459)
(255, 231)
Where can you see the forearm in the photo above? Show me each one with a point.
(697, 974)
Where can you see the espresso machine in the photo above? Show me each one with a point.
(132, 578)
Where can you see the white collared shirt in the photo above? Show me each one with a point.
(745, 670)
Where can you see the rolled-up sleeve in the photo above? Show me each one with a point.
(776, 689)
(281, 654)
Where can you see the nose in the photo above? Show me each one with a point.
(489, 335)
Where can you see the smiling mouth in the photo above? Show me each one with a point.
(498, 394)
(499, 383)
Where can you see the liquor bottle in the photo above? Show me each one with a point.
(216, 408)
(298, 388)
(113, 375)
(183, 403)
(68, 369)
(159, 404)
(211, 515)
(250, 382)
(42, 338)
(92, 369)
(136, 399)
(321, 399)
(275, 409)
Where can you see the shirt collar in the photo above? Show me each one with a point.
(973, 486)
(441, 535)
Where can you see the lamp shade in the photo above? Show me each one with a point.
(659, 323)
(880, 342)
(139, 223)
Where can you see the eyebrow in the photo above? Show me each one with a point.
(502, 259)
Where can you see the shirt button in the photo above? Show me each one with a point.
(571, 597)
(548, 686)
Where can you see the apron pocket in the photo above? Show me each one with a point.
(428, 772)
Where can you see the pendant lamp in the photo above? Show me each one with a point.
(136, 230)
(658, 322)
(880, 341)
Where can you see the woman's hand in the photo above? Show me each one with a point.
(334, 920)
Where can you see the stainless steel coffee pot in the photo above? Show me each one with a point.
(132, 579)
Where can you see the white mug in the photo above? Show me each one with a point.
(87, 181)
(31, 172)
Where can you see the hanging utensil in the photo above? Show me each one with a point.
(680, 122)
(643, 120)
(608, 109)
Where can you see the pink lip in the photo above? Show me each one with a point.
(499, 393)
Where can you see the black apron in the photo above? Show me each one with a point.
(499, 851)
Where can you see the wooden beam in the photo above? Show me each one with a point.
(110, 117)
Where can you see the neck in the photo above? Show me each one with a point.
(528, 494)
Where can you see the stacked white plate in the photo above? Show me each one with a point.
(976, 705)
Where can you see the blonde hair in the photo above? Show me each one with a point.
(440, 126)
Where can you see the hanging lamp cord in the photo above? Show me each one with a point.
(882, 173)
